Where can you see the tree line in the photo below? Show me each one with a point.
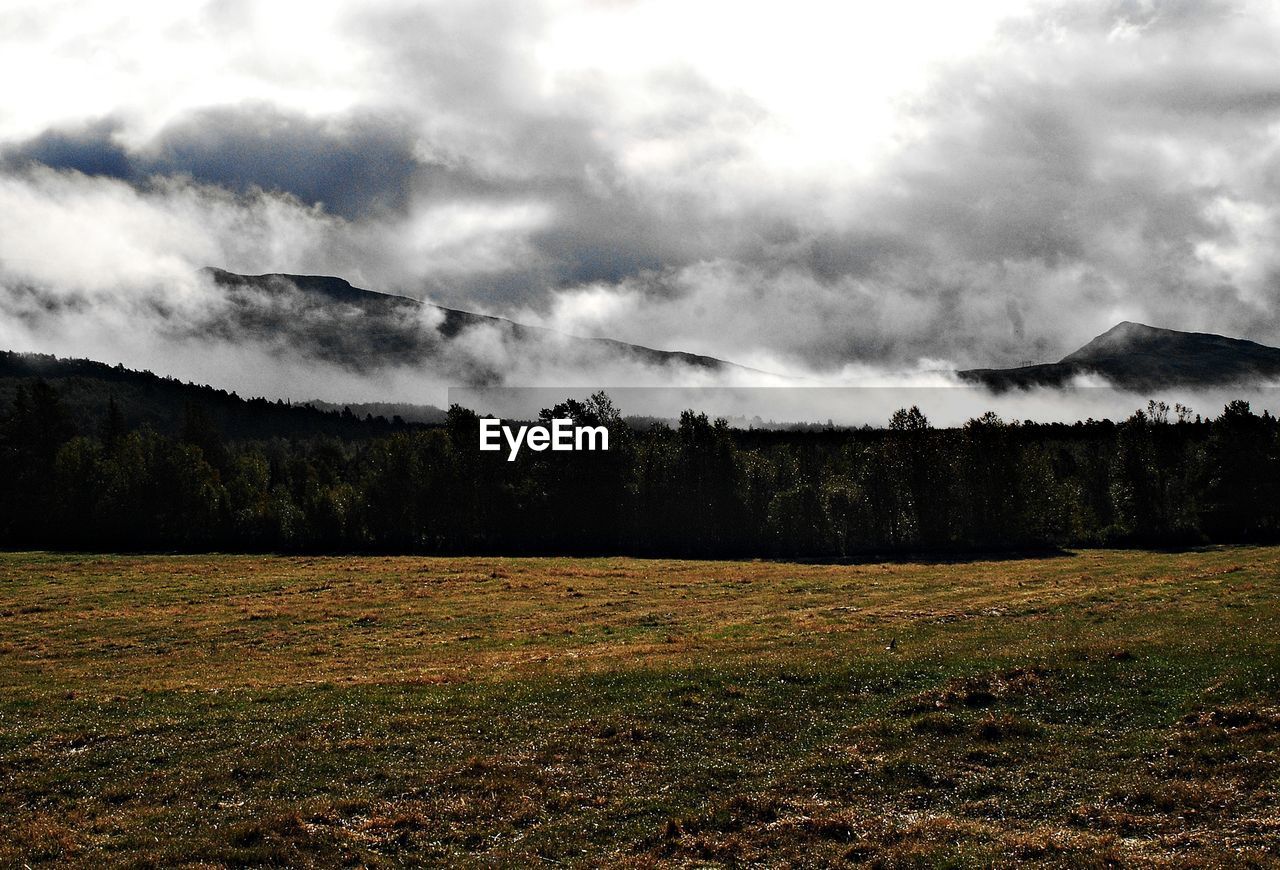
(697, 488)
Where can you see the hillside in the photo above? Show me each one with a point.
(145, 399)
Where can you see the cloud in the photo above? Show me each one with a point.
(821, 192)
(89, 148)
(352, 166)
(96, 267)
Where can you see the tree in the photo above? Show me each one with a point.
(1242, 466)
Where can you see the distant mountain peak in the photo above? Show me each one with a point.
(1142, 357)
(1129, 329)
(1209, 349)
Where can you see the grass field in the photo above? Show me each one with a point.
(1094, 708)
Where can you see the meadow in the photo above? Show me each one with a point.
(1088, 708)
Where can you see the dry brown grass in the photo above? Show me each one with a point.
(1092, 709)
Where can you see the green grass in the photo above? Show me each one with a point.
(1099, 708)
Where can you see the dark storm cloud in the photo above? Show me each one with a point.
(362, 163)
(353, 166)
(90, 149)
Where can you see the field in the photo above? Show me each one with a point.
(1088, 709)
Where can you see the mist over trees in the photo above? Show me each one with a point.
(698, 488)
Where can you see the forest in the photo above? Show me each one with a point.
(698, 488)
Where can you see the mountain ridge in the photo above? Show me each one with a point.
(1138, 356)
(454, 321)
(1130, 355)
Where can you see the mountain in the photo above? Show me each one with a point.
(363, 329)
(1140, 357)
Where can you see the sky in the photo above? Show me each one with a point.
(810, 187)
